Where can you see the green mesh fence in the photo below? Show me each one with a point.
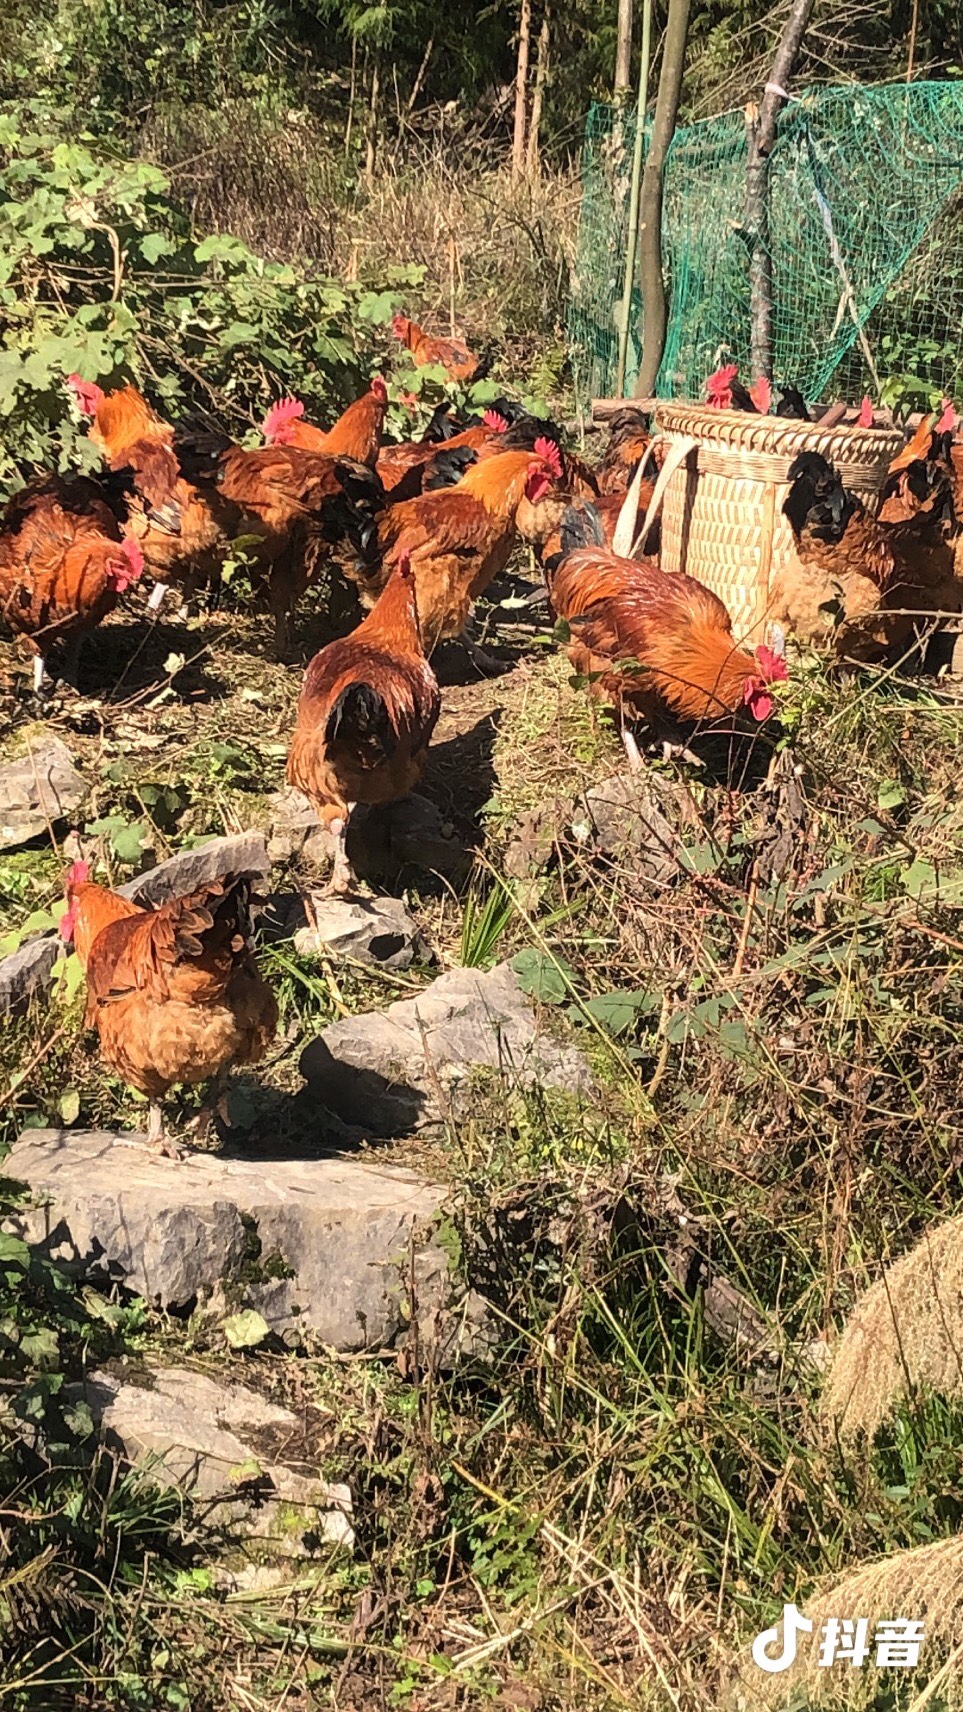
(866, 208)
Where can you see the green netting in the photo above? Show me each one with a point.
(866, 232)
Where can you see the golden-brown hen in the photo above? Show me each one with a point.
(453, 355)
(64, 561)
(173, 992)
(367, 710)
(872, 577)
(302, 506)
(458, 538)
(628, 443)
(356, 434)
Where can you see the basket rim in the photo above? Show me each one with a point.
(775, 435)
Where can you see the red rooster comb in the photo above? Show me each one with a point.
(379, 389)
(494, 421)
(280, 417)
(77, 874)
(719, 383)
(949, 421)
(399, 326)
(865, 417)
(548, 450)
(86, 394)
(771, 664)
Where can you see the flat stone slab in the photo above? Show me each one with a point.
(38, 790)
(378, 932)
(382, 841)
(225, 1445)
(243, 853)
(27, 971)
(323, 1244)
(396, 1070)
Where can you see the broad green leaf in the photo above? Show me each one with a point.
(246, 1329)
(547, 979)
(616, 1012)
(890, 794)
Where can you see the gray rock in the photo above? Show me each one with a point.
(244, 853)
(396, 1070)
(636, 817)
(378, 932)
(382, 841)
(37, 790)
(224, 1445)
(334, 1239)
(532, 842)
(27, 971)
(295, 831)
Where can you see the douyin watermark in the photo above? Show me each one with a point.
(893, 1644)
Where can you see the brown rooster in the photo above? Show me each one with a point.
(459, 539)
(64, 561)
(367, 711)
(181, 529)
(173, 992)
(453, 355)
(301, 505)
(356, 434)
(653, 641)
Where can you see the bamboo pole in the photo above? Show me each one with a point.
(635, 190)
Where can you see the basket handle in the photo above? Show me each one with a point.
(624, 532)
(678, 452)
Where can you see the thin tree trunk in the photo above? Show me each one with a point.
(914, 26)
(521, 88)
(420, 78)
(353, 95)
(650, 207)
(538, 94)
(371, 151)
(762, 136)
(623, 51)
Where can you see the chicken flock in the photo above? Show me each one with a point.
(404, 538)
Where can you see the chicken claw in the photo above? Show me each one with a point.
(158, 1143)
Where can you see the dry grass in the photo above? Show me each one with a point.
(924, 1585)
(496, 255)
(905, 1333)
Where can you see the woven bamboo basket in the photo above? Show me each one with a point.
(722, 519)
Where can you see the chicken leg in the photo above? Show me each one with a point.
(631, 748)
(343, 877)
(156, 1139)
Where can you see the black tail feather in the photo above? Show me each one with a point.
(360, 714)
